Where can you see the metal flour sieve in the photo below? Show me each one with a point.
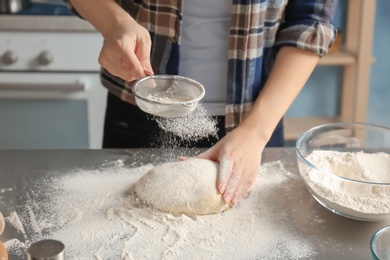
(168, 95)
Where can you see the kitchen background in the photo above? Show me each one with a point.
(321, 94)
(70, 115)
(50, 93)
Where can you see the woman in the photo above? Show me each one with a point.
(254, 56)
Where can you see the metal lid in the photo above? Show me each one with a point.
(48, 249)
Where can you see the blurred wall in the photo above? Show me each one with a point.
(320, 96)
(379, 100)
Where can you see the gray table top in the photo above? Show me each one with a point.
(349, 238)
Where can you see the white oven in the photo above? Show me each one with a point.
(50, 93)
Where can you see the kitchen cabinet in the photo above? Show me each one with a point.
(355, 57)
(50, 93)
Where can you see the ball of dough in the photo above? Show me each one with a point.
(187, 187)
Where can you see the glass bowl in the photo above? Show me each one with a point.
(168, 95)
(380, 244)
(346, 167)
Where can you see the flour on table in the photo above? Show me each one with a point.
(352, 200)
(15, 245)
(187, 187)
(14, 220)
(94, 215)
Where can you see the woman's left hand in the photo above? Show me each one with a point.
(239, 157)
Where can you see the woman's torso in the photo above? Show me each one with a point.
(204, 47)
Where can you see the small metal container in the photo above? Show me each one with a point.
(48, 249)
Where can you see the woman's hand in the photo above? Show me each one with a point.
(239, 157)
(126, 51)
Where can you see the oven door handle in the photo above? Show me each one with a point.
(44, 86)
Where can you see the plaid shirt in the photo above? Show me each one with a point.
(258, 29)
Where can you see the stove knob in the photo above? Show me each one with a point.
(45, 58)
(9, 57)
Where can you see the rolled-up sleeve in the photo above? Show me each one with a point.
(307, 25)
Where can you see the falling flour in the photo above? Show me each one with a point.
(192, 127)
(93, 213)
(359, 200)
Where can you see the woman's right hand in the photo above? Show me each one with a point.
(126, 51)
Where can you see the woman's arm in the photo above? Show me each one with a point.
(305, 34)
(239, 152)
(104, 15)
(126, 49)
(288, 76)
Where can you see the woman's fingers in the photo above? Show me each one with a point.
(126, 53)
(232, 182)
(121, 67)
(142, 52)
(239, 182)
(132, 64)
(117, 69)
(208, 154)
(243, 186)
(235, 177)
(110, 59)
(225, 172)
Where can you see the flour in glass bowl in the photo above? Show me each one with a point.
(96, 216)
(369, 167)
(360, 199)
